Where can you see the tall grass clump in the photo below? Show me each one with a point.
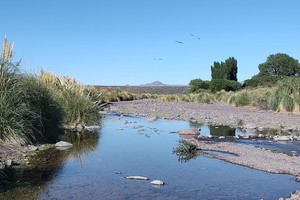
(242, 99)
(80, 103)
(286, 97)
(27, 111)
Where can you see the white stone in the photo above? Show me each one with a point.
(281, 138)
(92, 128)
(157, 182)
(137, 178)
(62, 145)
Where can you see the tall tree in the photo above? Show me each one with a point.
(225, 70)
(231, 66)
(280, 64)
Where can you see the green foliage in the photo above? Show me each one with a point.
(222, 84)
(286, 94)
(225, 70)
(79, 103)
(279, 64)
(28, 113)
(185, 151)
(197, 84)
(242, 99)
(261, 80)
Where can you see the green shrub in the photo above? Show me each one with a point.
(223, 84)
(288, 103)
(197, 85)
(242, 100)
(261, 80)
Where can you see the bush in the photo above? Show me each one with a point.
(222, 84)
(260, 80)
(242, 100)
(197, 84)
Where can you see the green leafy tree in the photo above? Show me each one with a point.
(279, 64)
(225, 70)
(198, 84)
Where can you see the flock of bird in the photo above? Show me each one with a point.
(179, 42)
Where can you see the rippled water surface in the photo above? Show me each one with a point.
(88, 170)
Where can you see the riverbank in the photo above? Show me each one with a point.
(215, 113)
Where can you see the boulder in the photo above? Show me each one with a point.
(281, 138)
(62, 145)
(137, 178)
(189, 132)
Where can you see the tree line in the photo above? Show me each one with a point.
(224, 74)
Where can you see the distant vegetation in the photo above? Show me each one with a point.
(275, 87)
(169, 89)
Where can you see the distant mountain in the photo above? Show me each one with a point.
(155, 83)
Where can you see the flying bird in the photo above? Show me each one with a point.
(157, 59)
(198, 38)
(179, 42)
(191, 35)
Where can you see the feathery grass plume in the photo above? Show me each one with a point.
(7, 50)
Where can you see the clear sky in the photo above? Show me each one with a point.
(119, 42)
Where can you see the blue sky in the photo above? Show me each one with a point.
(119, 42)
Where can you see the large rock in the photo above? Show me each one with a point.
(281, 138)
(62, 145)
(189, 132)
(137, 178)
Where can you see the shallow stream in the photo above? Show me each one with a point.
(95, 167)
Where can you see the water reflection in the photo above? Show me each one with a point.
(222, 131)
(29, 181)
(84, 144)
(186, 151)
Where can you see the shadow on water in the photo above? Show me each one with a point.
(29, 181)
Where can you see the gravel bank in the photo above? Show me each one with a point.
(215, 113)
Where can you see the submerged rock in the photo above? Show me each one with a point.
(137, 178)
(157, 182)
(62, 145)
(189, 132)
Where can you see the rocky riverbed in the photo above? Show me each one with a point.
(215, 113)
